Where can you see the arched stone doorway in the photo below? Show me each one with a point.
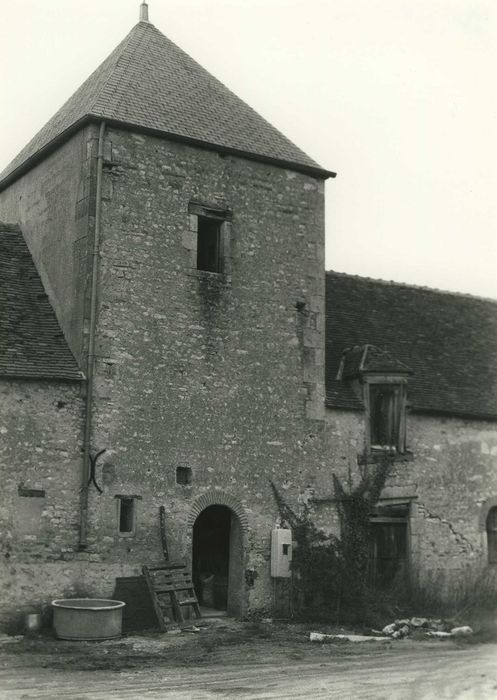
(218, 534)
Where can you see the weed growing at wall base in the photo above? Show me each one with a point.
(331, 577)
(462, 594)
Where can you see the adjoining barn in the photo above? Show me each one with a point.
(411, 373)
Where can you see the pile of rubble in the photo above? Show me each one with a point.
(432, 628)
(399, 630)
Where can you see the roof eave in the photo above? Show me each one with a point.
(315, 171)
(42, 153)
(386, 372)
(448, 413)
(338, 406)
(420, 411)
(41, 376)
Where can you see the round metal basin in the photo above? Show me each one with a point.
(87, 619)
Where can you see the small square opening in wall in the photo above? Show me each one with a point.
(126, 515)
(183, 476)
(209, 244)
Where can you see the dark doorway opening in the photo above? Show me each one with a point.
(389, 553)
(211, 556)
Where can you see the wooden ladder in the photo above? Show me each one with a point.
(165, 583)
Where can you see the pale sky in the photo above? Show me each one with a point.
(399, 97)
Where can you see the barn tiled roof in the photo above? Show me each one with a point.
(448, 340)
(148, 82)
(32, 344)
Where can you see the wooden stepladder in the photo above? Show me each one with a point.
(171, 589)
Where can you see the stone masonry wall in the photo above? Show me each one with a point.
(452, 474)
(40, 472)
(54, 205)
(219, 373)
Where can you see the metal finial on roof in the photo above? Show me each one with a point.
(144, 12)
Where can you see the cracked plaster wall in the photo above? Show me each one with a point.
(452, 473)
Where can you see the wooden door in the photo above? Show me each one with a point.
(389, 552)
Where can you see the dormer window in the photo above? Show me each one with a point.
(380, 380)
(386, 415)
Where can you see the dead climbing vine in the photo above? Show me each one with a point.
(331, 573)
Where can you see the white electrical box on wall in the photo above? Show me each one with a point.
(281, 552)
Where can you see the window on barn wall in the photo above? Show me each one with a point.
(492, 535)
(387, 416)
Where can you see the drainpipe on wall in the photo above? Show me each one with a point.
(83, 521)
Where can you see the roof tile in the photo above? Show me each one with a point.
(150, 83)
(32, 344)
(448, 340)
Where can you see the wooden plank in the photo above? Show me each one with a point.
(170, 581)
(168, 566)
(177, 608)
(155, 601)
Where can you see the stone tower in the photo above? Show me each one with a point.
(179, 238)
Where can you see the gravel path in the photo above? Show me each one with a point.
(422, 672)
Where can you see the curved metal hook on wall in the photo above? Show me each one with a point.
(93, 466)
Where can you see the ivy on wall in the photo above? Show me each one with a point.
(331, 573)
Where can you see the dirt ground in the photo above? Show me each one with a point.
(245, 660)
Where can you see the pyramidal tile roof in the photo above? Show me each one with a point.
(32, 344)
(149, 83)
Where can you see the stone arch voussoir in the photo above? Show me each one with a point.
(218, 498)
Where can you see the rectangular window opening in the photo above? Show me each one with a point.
(126, 515)
(209, 244)
(385, 406)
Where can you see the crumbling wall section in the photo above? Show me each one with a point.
(450, 471)
(455, 472)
